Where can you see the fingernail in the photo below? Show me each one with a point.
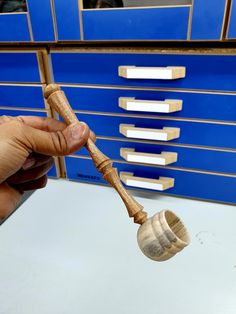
(78, 130)
(28, 163)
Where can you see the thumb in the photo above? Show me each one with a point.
(58, 143)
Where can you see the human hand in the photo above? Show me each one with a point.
(27, 145)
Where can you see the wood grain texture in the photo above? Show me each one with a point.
(58, 101)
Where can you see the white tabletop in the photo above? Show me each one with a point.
(71, 249)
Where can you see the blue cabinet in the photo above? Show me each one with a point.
(172, 20)
(34, 24)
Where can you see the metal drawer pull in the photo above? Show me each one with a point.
(163, 159)
(159, 73)
(165, 106)
(161, 184)
(165, 134)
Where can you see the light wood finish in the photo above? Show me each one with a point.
(165, 106)
(157, 73)
(58, 101)
(162, 236)
(165, 134)
(161, 184)
(163, 159)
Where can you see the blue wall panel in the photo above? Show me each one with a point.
(68, 23)
(204, 72)
(21, 96)
(19, 67)
(136, 24)
(189, 184)
(41, 20)
(207, 20)
(14, 27)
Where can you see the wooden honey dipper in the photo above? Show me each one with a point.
(159, 237)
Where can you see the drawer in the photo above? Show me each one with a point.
(198, 185)
(25, 24)
(158, 23)
(22, 96)
(203, 71)
(231, 33)
(191, 133)
(157, 154)
(19, 67)
(195, 105)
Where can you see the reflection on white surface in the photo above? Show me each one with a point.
(72, 249)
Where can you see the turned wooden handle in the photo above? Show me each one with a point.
(58, 101)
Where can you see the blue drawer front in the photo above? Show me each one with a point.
(21, 96)
(207, 20)
(204, 72)
(41, 20)
(187, 184)
(15, 113)
(195, 105)
(14, 27)
(191, 158)
(193, 133)
(19, 67)
(232, 21)
(136, 24)
(68, 22)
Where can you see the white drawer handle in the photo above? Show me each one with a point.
(165, 134)
(163, 159)
(166, 106)
(160, 73)
(160, 184)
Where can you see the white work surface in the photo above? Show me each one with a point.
(71, 249)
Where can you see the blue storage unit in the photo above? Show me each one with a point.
(189, 20)
(205, 148)
(34, 24)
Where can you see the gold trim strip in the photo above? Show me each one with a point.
(190, 20)
(54, 19)
(80, 8)
(189, 146)
(23, 109)
(156, 89)
(225, 19)
(109, 114)
(220, 174)
(41, 67)
(161, 51)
